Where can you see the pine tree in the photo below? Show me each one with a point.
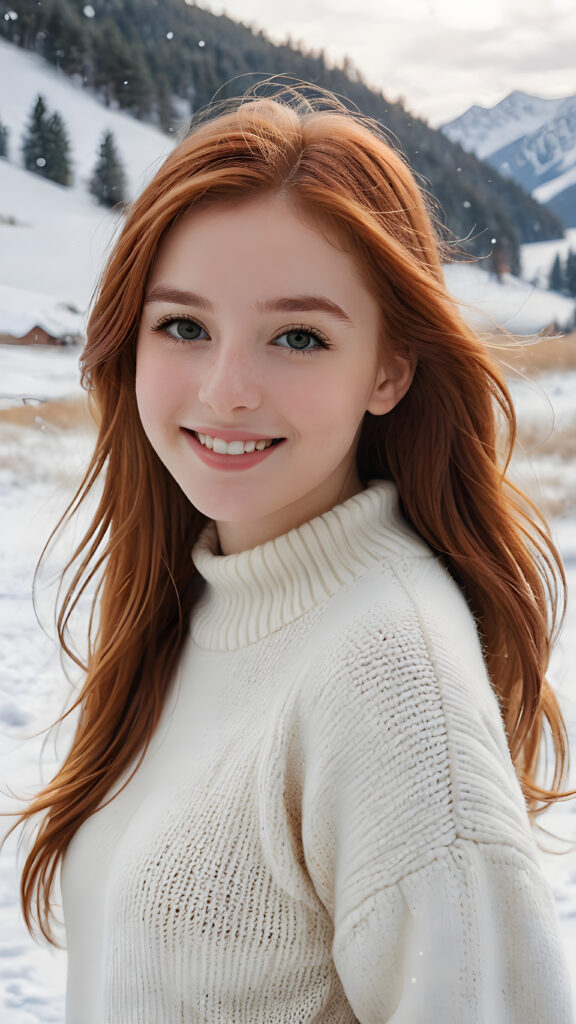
(58, 165)
(556, 279)
(570, 275)
(34, 141)
(65, 37)
(120, 70)
(46, 146)
(108, 180)
(3, 140)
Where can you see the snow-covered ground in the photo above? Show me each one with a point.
(44, 371)
(39, 468)
(32, 694)
(538, 257)
(515, 304)
(21, 311)
(59, 240)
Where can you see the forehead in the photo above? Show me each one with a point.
(258, 238)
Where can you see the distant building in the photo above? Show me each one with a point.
(28, 318)
(38, 336)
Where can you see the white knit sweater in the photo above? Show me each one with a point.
(327, 826)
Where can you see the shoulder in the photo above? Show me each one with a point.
(399, 713)
(407, 627)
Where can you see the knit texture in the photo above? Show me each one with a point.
(327, 826)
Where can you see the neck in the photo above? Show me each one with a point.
(235, 537)
(255, 592)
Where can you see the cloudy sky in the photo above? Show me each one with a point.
(441, 56)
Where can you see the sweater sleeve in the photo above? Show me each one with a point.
(417, 841)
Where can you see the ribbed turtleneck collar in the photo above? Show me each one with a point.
(255, 592)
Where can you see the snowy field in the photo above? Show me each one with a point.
(39, 467)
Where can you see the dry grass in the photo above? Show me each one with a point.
(534, 356)
(63, 413)
(538, 442)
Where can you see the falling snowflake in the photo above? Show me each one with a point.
(201, 43)
(89, 11)
(169, 35)
(41, 162)
(11, 16)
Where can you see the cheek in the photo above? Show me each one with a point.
(333, 405)
(157, 382)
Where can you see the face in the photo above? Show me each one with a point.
(258, 354)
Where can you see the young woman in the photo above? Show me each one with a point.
(304, 772)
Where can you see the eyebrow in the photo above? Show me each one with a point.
(293, 304)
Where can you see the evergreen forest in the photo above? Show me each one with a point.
(162, 60)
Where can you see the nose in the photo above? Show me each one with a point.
(231, 380)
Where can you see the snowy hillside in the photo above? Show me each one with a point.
(141, 146)
(516, 305)
(53, 240)
(527, 138)
(538, 257)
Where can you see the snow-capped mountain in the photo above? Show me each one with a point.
(53, 240)
(485, 130)
(529, 139)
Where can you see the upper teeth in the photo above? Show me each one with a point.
(232, 447)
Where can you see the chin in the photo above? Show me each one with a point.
(225, 509)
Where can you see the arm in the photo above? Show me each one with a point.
(470, 938)
(417, 839)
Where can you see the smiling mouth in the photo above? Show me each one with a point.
(221, 447)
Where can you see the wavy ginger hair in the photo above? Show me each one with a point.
(439, 445)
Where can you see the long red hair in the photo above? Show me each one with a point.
(440, 444)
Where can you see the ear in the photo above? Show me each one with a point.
(393, 380)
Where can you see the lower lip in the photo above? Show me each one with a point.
(218, 461)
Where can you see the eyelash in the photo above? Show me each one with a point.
(322, 341)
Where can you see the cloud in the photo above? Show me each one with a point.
(441, 73)
(440, 55)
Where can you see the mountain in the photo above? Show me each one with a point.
(162, 62)
(530, 140)
(54, 239)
